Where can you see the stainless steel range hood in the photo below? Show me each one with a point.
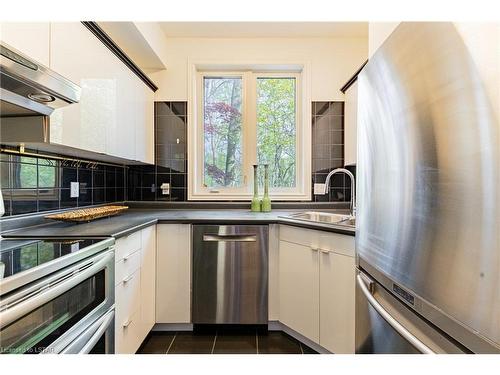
(29, 93)
(28, 88)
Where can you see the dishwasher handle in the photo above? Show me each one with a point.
(229, 238)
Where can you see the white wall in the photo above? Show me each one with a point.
(378, 32)
(332, 60)
(154, 36)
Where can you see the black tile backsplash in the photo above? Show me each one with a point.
(32, 184)
(328, 150)
(36, 184)
(171, 154)
(170, 157)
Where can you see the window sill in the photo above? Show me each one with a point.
(247, 197)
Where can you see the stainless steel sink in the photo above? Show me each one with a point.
(324, 217)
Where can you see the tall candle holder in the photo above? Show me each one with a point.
(255, 206)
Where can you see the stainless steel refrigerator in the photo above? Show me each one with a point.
(428, 226)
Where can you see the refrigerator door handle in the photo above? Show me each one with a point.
(419, 345)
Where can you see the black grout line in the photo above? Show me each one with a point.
(301, 345)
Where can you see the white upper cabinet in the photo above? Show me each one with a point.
(115, 112)
(144, 131)
(30, 38)
(351, 124)
(79, 56)
(120, 136)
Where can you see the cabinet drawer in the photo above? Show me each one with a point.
(127, 296)
(326, 241)
(127, 266)
(125, 246)
(127, 334)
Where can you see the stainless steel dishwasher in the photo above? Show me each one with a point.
(230, 274)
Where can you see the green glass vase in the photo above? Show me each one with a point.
(266, 200)
(255, 206)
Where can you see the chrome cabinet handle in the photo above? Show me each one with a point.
(229, 238)
(315, 249)
(127, 279)
(127, 257)
(127, 323)
(48, 292)
(324, 251)
(398, 327)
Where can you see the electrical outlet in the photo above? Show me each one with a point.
(319, 189)
(75, 190)
(165, 188)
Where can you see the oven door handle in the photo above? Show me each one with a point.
(398, 327)
(48, 293)
(84, 343)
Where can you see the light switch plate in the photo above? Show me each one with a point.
(75, 190)
(319, 189)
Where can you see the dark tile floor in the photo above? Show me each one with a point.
(223, 341)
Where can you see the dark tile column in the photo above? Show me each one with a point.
(328, 150)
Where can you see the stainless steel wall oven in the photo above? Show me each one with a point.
(70, 310)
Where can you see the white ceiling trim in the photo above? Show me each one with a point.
(264, 29)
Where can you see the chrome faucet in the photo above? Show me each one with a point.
(353, 190)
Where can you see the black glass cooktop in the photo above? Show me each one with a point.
(20, 255)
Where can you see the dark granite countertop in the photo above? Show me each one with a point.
(138, 218)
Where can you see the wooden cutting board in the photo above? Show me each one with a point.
(87, 214)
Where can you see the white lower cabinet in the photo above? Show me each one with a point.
(316, 284)
(148, 279)
(299, 289)
(337, 292)
(127, 337)
(135, 274)
(128, 296)
(311, 283)
(173, 288)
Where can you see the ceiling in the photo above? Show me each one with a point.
(264, 29)
(128, 37)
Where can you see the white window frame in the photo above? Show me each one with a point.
(249, 73)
